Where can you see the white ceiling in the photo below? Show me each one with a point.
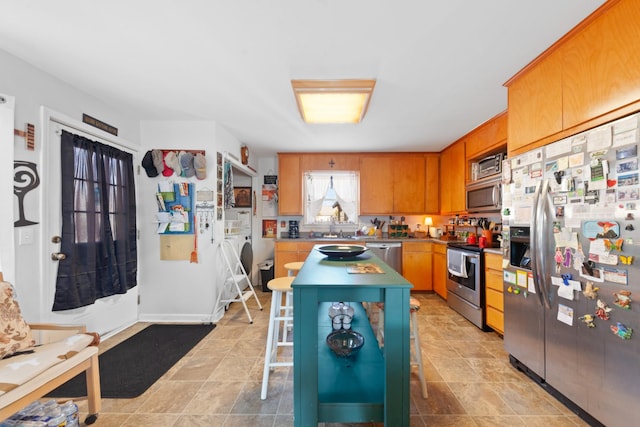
(440, 65)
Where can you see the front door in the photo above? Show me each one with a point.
(107, 314)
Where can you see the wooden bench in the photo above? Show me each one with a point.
(61, 353)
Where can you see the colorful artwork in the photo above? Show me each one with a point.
(269, 228)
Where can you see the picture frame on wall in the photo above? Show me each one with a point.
(269, 228)
(242, 196)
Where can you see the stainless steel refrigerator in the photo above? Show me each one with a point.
(571, 227)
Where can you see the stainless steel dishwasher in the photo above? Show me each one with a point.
(390, 252)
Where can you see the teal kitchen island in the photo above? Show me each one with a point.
(373, 386)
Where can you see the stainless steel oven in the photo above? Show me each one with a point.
(465, 282)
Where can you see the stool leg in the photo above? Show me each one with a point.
(418, 352)
(275, 295)
(288, 312)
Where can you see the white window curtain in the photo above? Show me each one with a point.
(345, 185)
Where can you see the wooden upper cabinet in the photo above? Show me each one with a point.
(535, 102)
(452, 178)
(390, 183)
(587, 78)
(409, 183)
(432, 183)
(601, 64)
(398, 183)
(289, 184)
(487, 138)
(329, 161)
(376, 184)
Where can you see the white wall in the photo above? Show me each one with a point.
(262, 248)
(180, 290)
(169, 290)
(33, 88)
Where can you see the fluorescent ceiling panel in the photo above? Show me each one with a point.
(333, 101)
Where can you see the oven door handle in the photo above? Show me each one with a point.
(457, 274)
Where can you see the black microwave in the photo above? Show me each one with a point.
(484, 195)
(489, 166)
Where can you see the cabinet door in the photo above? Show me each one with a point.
(487, 138)
(417, 265)
(440, 270)
(303, 250)
(601, 65)
(289, 185)
(495, 319)
(494, 291)
(284, 252)
(452, 179)
(432, 184)
(535, 103)
(408, 183)
(376, 185)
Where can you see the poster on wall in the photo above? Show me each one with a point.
(269, 228)
(269, 200)
(242, 196)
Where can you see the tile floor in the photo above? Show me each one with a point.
(470, 381)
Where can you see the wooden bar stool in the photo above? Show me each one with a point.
(292, 270)
(416, 353)
(280, 313)
(293, 267)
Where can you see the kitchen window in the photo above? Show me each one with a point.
(331, 197)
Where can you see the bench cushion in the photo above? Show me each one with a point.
(15, 334)
(19, 369)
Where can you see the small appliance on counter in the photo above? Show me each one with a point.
(294, 230)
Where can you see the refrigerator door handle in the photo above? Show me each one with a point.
(547, 217)
(543, 235)
(536, 266)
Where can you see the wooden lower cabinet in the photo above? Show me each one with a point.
(417, 265)
(494, 293)
(293, 251)
(440, 269)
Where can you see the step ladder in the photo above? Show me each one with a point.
(236, 278)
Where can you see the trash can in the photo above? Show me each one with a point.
(266, 273)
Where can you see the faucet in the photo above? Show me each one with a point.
(331, 224)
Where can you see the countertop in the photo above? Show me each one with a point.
(384, 239)
(361, 240)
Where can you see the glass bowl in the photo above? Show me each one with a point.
(345, 343)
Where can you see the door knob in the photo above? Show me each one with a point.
(58, 256)
(56, 239)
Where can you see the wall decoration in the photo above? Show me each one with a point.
(242, 196)
(269, 200)
(25, 179)
(269, 227)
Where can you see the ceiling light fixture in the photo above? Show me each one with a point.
(333, 101)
